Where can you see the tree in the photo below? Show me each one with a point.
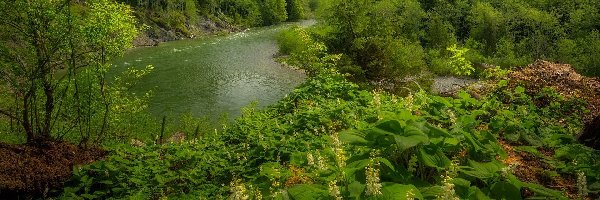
(379, 36)
(273, 11)
(487, 26)
(295, 9)
(44, 45)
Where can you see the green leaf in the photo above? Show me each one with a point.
(411, 137)
(476, 194)
(353, 138)
(386, 162)
(505, 190)
(308, 192)
(519, 90)
(482, 171)
(503, 83)
(433, 157)
(356, 189)
(390, 126)
(398, 192)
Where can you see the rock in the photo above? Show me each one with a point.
(448, 85)
(137, 143)
(177, 138)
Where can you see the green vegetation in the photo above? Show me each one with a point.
(330, 139)
(192, 17)
(333, 137)
(53, 61)
(389, 40)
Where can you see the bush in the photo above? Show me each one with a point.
(154, 171)
(273, 11)
(296, 9)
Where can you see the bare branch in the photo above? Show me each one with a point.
(8, 115)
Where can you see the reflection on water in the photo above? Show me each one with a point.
(210, 76)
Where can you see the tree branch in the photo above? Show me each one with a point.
(8, 115)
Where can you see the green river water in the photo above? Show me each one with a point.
(213, 75)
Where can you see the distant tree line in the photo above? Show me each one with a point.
(387, 39)
(238, 12)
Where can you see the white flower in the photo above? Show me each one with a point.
(410, 195)
(582, 184)
(334, 190)
(338, 149)
(448, 187)
(238, 190)
(372, 174)
(311, 159)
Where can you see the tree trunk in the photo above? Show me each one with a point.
(49, 91)
(25, 121)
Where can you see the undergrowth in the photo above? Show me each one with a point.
(330, 140)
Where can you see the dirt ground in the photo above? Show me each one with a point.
(34, 172)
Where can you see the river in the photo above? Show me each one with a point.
(213, 75)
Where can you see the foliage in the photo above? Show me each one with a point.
(377, 36)
(503, 33)
(154, 171)
(273, 11)
(49, 49)
(296, 9)
(458, 61)
(304, 52)
(330, 139)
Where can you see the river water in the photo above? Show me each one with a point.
(213, 75)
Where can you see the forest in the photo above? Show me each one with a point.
(368, 122)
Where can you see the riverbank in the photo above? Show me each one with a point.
(154, 33)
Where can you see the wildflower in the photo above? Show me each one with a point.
(412, 164)
(321, 163)
(582, 184)
(338, 149)
(451, 116)
(448, 189)
(409, 102)
(453, 169)
(334, 190)
(258, 195)
(238, 190)
(376, 99)
(256, 191)
(372, 174)
(508, 169)
(410, 195)
(311, 159)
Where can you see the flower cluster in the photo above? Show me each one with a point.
(238, 190)
(412, 164)
(334, 190)
(372, 174)
(338, 149)
(582, 184)
(410, 195)
(448, 189)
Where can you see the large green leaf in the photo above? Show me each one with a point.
(394, 191)
(356, 189)
(353, 138)
(482, 171)
(433, 157)
(474, 143)
(476, 194)
(411, 137)
(308, 192)
(390, 126)
(505, 190)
